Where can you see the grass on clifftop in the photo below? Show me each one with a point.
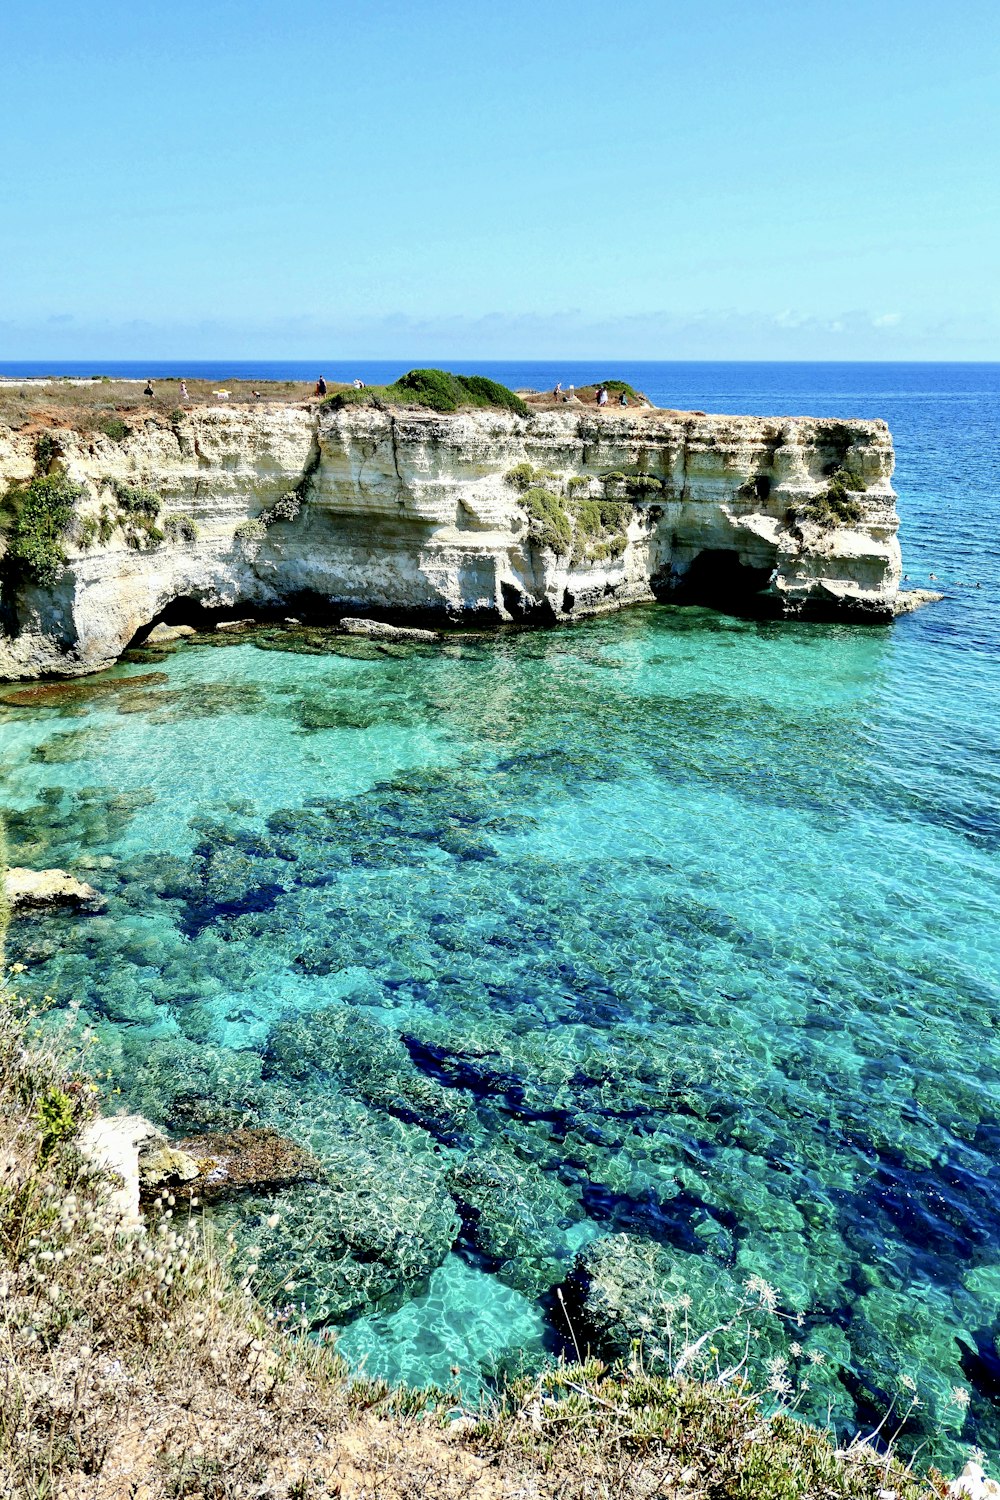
(437, 389)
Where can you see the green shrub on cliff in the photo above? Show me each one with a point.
(838, 506)
(437, 389)
(36, 516)
(179, 527)
(548, 520)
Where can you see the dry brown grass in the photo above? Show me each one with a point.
(86, 405)
(137, 1366)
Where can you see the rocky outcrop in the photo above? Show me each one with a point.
(404, 510)
(34, 890)
(217, 1165)
(145, 1163)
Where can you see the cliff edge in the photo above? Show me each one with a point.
(485, 516)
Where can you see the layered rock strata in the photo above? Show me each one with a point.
(481, 516)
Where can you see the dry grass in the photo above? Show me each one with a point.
(88, 406)
(137, 1366)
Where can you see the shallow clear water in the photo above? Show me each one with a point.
(669, 923)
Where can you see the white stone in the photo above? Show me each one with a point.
(112, 1143)
(30, 889)
(161, 635)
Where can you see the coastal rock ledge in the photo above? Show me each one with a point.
(480, 516)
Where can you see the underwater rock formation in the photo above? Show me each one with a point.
(482, 515)
(217, 1164)
(29, 890)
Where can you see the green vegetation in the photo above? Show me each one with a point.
(113, 427)
(179, 527)
(437, 389)
(36, 516)
(838, 506)
(252, 530)
(549, 523)
(47, 450)
(134, 499)
(592, 528)
(284, 509)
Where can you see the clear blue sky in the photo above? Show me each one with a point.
(728, 179)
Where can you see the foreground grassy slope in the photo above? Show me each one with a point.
(140, 1363)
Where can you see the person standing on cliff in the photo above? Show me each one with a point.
(149, 388)
(557, 393)
(602, 395)
(321, 387)
(184, 390)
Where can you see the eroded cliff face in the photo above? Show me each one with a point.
(424, 513)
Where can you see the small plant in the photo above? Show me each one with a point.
(284, 509)
(179, 527)
(47, 450)
(177, 416)
(87, 529)
(56, 1120)
(252, 530)
(134, 499)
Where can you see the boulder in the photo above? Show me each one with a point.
(378, 630)
(112, 1143)
(237, 624)
(162, 635)
(33, 890)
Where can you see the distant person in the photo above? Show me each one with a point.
(256, 395)
(149, 388)
(184, 390)
(623, 399)
(602, 395)
(557, 393)
(321, 387)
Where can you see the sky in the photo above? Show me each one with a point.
(733, 179)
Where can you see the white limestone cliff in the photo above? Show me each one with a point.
(405, 510)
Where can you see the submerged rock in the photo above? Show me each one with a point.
(378, 630)
(213, 1166)
(29, 890)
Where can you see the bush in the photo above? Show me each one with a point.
(285, 509)
(46, 449)
(86, 531)
(134, 499)
(252, 530)
(114, 428)
(838, 506)
(179, 527)
(437, 389)
(548, 521)
(36, 516)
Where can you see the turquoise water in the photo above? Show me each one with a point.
(669, 924)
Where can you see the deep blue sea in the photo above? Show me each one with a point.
(669, 925)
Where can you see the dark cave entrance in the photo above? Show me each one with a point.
(717, 578)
